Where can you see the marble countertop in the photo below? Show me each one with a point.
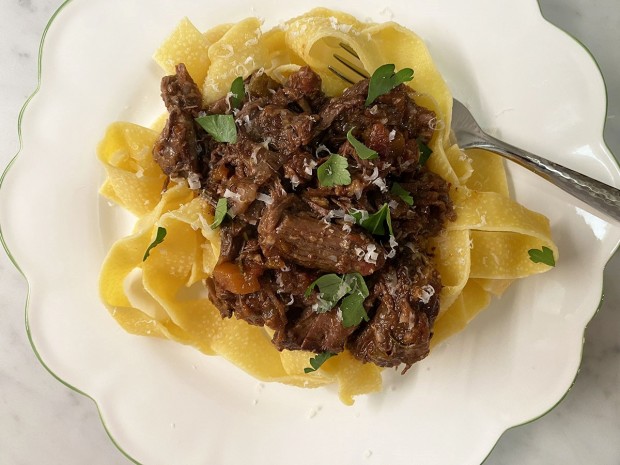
(42, 421)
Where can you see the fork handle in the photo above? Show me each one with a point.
(604, 198)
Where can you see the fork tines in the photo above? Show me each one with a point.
(357, 69)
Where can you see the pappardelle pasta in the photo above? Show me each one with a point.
(153, 280)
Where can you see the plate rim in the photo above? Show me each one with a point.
(15, 263)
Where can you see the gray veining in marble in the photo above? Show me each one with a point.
(43, 422)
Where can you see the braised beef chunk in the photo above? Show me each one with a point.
(294, 234)
(309, 242)
(279, 127)
(405, 302)
(309, 330)
(285, 231)
(176, 151)
(180, 92)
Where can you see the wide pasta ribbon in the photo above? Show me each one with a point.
(478, 255)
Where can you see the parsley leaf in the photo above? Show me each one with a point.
(356, 282)
(159, 238)
(333, 171)
(221, 127)
(352, 306)
(221, 209)
(384, 79)
(400, 191)
(237, 89)
(425, 152)
(542, 256)
(362, 151)
(332, 288)
(376, 222)
(317, 361)
(353, 311)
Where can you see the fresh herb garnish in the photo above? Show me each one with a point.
(159, 238)
(542, 256)
(352, 306)
(221, 209)
(401, 192)
(376, 222)
(384, 79)
(332, 288)
(221, 127)
(333, 171)
(362, 151)
(317, 361)
(237, 89)
(353, 311)
(425, 152)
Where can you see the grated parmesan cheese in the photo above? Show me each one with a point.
(246, 121)
(393, 245)
(227, 99)
(228, 194)
(374, 175)
(436, 123)
(241, 70)
(193, 179)
(371, 254)
(264, 198)
(348, 218)
(229, 48)
(380, 183)
(309, 166)
(427, 292)
(321, 148)
(253, 155)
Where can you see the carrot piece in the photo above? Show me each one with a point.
(230, 276)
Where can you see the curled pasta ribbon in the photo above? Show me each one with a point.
(478, 255)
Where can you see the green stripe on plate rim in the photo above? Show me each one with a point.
(4, 245)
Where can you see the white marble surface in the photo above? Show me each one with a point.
(44, 422)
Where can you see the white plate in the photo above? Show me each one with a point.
(163, 403)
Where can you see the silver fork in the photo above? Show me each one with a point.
(602, 197)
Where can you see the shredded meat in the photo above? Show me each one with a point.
(406, 302)
(285, 229)
(176, 150)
